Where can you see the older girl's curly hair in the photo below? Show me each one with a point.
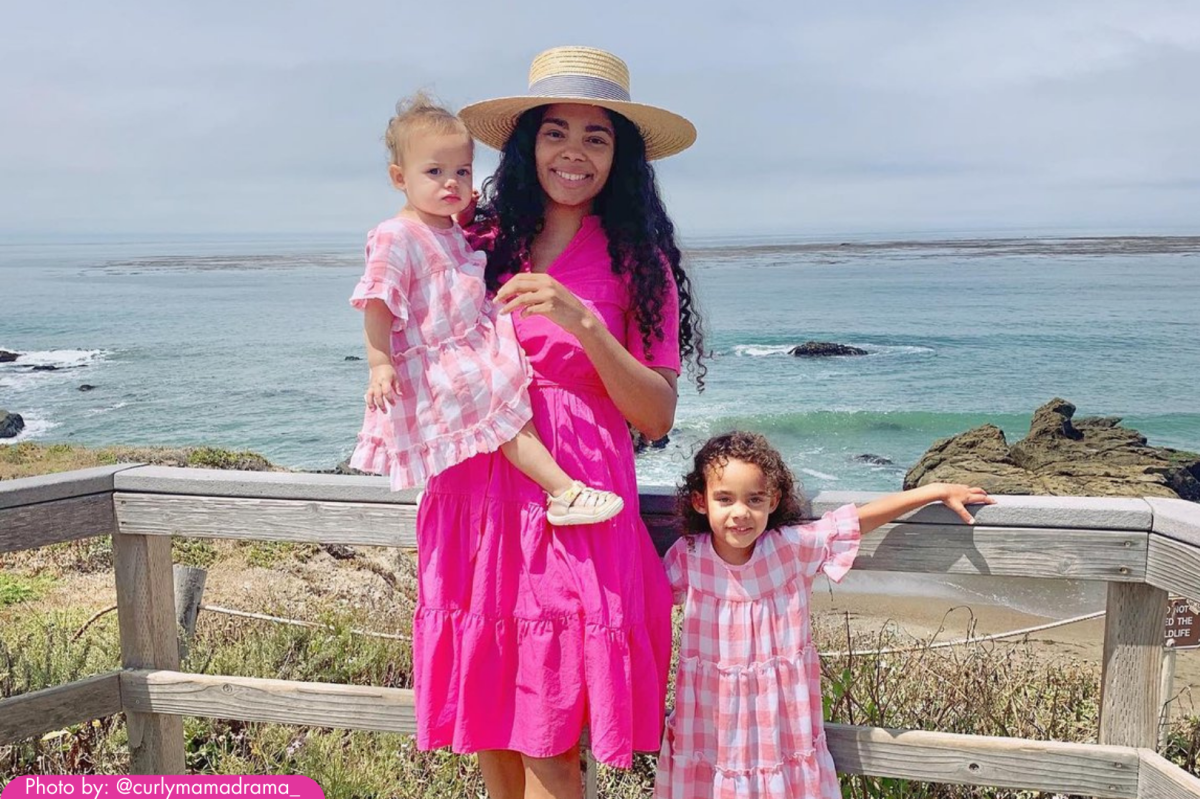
(749, 448)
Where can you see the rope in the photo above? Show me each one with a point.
(297, 623)
(968, 640)
(397, 637)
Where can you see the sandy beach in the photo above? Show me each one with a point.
(922, 618)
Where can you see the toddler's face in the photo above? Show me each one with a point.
(436, 176)
(737, 502)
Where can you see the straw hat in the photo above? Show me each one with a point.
(580, 75)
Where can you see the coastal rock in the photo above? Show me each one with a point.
(823, 349)
(1092, 456)
(874, 460)
(353, 358)
(10, 424)
(86, 387)
(8, 357)
(45, 367)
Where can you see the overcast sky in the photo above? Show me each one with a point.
(814, 118)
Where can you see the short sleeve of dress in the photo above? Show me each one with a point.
(387, 275)
(675, 562)
(829, 544)
(664, 349)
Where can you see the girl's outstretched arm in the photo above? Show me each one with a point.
(953, 495)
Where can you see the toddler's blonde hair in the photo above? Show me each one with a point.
(415, 115)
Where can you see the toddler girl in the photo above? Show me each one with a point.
(448, 379)
(747, 720)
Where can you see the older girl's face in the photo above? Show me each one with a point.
(574, 153)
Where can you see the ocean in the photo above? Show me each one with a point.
(244, 344)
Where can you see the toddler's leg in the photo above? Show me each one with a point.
(570, 502)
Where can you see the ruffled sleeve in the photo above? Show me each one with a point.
(664, 347)
(387, 276)
(829, 544)
(675, 562)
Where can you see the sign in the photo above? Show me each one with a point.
(1182, 629)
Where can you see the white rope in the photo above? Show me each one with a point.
(298, 623)
(969, 640)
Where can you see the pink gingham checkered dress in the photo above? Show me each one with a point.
(463, 379)
(747, 721)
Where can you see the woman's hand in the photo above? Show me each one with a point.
(535, 293)
(383, 389)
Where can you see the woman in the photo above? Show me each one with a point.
(524, 635)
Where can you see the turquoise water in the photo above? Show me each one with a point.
(243, 344)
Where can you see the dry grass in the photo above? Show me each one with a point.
(29, 459)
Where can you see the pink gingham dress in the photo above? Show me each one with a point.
(747, 721)
(463, 379)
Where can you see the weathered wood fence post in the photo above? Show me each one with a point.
(146, 612)
(1132, 673)
(189, 591)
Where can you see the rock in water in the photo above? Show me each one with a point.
(8, 357)
(823, 349)
(874, 460)
(10, 424)
(1060, 457)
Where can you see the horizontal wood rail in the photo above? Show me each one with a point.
(1142, 548)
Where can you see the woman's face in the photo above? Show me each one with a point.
(574, 153)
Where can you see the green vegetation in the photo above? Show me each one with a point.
(15, 588)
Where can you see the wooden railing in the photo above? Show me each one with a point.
(1142, 548)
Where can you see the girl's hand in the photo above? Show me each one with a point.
(535, 293)
(957, 496)
(467, 215)
(383, 389)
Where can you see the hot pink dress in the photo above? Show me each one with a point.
(525, 633)
(747, 722)
(462, 377)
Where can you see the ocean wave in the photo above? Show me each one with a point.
(61, 359)
(819, 475)
(110, 408)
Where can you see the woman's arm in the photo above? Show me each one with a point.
(645, 396)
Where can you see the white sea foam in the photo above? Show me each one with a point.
(63, 359)
(98, 411)
(819, 475)
(35, 427)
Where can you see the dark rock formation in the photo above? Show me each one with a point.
(353, 358)
(10, 424)
(874, 460)
(8, 357)
(1093, 456)
(823, 349)
(86, 387)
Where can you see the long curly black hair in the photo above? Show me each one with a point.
(640, 234)
(749, 448)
